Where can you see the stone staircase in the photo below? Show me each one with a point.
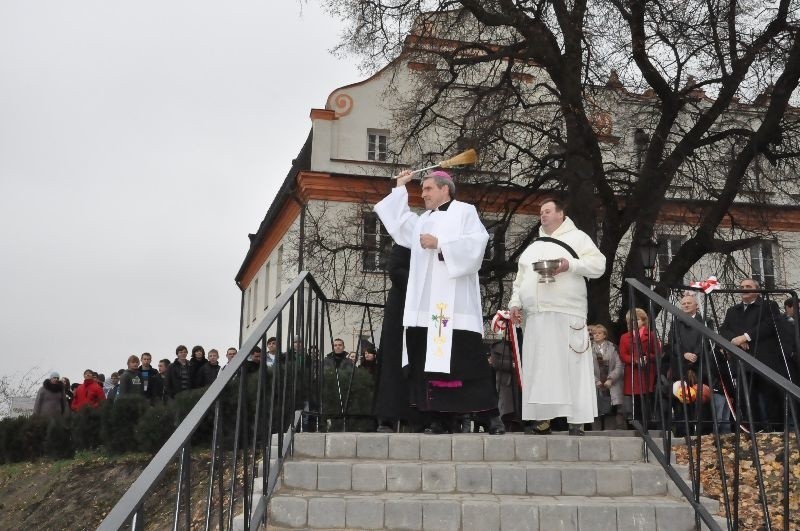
(475, 481)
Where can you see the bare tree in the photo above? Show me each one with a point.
(18, 386)
(634, 110)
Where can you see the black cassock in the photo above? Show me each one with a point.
(391, 395)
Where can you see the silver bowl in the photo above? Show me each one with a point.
(546, 268)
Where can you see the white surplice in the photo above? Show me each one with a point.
(442, 295)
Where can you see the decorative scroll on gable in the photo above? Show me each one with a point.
(341, 103)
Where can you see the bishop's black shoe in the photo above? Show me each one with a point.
(496, 426)
(436, 428)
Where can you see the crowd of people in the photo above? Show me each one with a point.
(57, 397)
(434, 370)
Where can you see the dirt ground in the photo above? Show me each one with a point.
(77, 494)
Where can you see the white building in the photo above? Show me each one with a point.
(345, 167)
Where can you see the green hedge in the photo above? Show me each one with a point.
(358, 403)
(127, 424)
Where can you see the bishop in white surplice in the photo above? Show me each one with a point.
(443, 304)
(453, 280)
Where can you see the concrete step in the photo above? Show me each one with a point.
(476, 481)
(483, 512)
(551, 478)
(466, 447)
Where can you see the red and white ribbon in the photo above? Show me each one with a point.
(708, 285)
(501, 322)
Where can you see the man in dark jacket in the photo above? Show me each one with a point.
(752, 326)
(686, 348)
(209, 371)
(788, 337)
(196, 363)
(151, 380)
(178, 378)
(253, 362)
(130, 381)
(338, 358)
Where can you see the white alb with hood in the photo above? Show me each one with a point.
(568, 293)
(557, 361)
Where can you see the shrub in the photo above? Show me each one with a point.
(86, 428)
(356, 398)
(9, 427)
(22, 438)
(118, 422)
(154, 428)
(183, 404)
(58, 441)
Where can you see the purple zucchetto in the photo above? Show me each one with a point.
(441, 174)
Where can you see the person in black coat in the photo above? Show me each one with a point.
(391, 391)
(197, 361)
(752, 325)
(178, 377)
(686, 349)
(210, 370)
(788, 337)
(152, 385)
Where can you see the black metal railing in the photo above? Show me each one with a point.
(245, 420)
(724, 408)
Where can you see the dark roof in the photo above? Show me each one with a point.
(302, 162)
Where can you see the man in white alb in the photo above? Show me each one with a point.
(557, 370)
(447, 364)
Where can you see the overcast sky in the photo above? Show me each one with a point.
(140, 142)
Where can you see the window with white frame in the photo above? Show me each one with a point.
(267, 272)
(668, 245)
(248, 295)
(377, 243)
(377, 145)
(255, 298)
(279, 272)
(762, 264)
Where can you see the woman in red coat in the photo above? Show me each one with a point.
(640, 366)
(89, 393)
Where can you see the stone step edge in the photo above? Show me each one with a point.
(711, 504)
(466, 496)
(425, 462)
(436, 448)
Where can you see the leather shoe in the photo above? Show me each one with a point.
(575, 429)
(435, 428)
(496, 426)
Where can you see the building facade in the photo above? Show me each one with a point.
(322, 221)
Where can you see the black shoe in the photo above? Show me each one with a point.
(436, 428)
(385, 429)
(576, 430)
(496, 426)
